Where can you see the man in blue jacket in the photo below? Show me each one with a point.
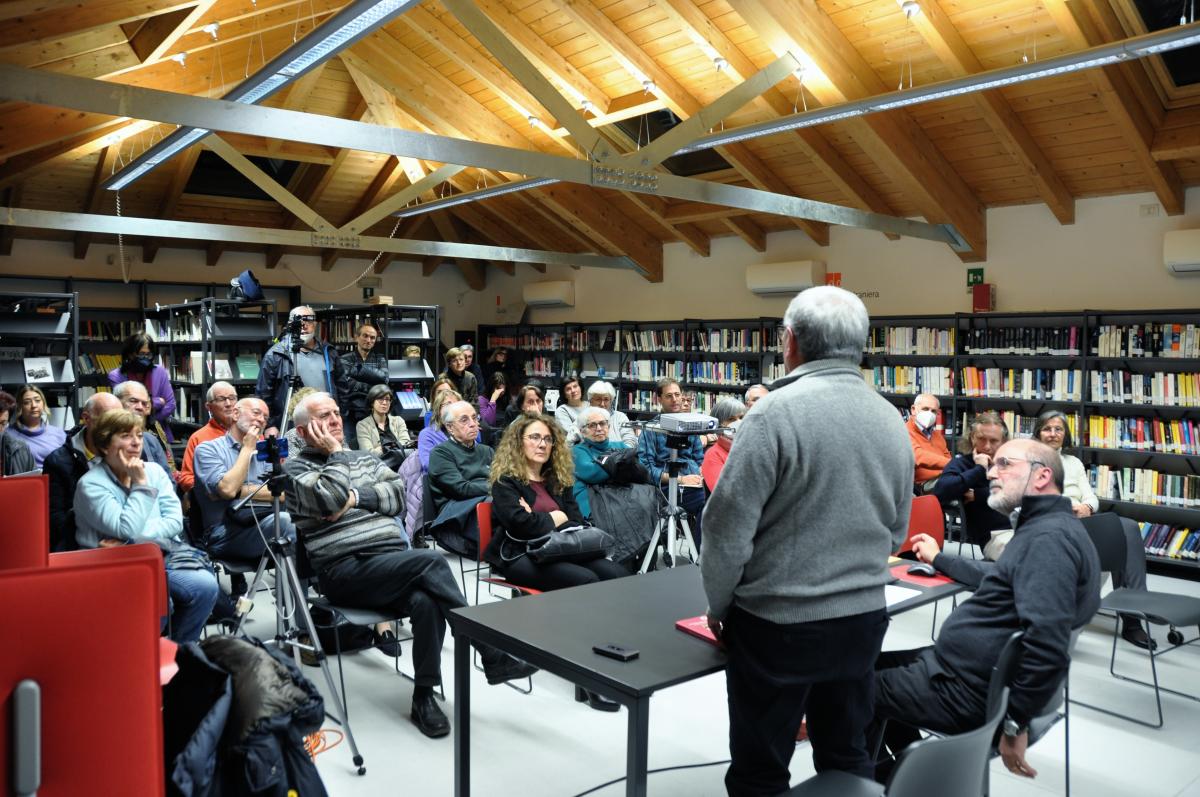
(315, 361)
(654, 454)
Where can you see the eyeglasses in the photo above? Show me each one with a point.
(538, 439)
(1004, 463)
(597, 425)
(224, 400)
(1057, 431)
(467, 420)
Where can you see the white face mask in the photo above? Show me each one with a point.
(926, 419)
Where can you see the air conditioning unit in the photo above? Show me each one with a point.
(1181, 251)
(559, 293)
(784, 279)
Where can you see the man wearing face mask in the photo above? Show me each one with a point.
(928, 441)
(315, 361)
(1046, 584)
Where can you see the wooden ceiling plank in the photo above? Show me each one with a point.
(607, 224)
(947, 43)
(12, 199)
(297, 95)
(474, 272)
(386, 111)
(182, 166)
(159, 33)
(267, 183)
(748, 231)
(893, 141)
(96, 196)
(277, 148)
(19, 168)
(213, 252)
(1176, 143)
(1119, 100)
(45, 21)
(429, 265)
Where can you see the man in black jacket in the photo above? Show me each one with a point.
(314, 360)
(1046, 584)
(362, 369)
(965, 478)
(66, 466)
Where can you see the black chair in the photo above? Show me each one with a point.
(1157, 608)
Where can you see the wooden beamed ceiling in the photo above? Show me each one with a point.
(1118, 129)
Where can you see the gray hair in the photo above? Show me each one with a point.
(208, 396)
(247, 401)
(120, 390)
(581, 420)
(302, 414)
(447, 411)
(728, 408)
(982, 418)
(295, 311)
(746, 395)
(828, 323)
(602, 388)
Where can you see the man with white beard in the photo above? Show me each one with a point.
(318, 364)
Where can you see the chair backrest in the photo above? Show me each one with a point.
(1109, 538)
(950, 766)
(925, 518)
(25, 541)
(483, 513)
(1005, 669)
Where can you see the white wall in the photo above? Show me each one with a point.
(1111, 258)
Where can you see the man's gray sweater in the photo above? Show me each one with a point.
(814, 498)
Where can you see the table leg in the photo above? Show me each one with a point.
(636, 744)
(462, 716)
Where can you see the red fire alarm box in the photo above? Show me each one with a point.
(983, 297)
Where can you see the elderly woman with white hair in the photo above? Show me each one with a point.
(603, 395)
(593, 424)
(728, 412)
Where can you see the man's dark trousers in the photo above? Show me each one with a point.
(777, 674)
(413, 583)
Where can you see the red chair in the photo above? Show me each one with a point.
(925, 518)
(25, 541)
(483, 513)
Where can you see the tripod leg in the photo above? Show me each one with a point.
(693, 551)
(244, 608)
(652, 549)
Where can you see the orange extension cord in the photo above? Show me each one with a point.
(322, 740)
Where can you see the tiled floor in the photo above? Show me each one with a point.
(546, 744)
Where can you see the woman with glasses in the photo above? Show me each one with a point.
(138, 357)
(435, 433)
(1052, 429)
(567, 412)
(32, 425)
(593, 425)
(383, 434)
(532, 477)
(603, 395)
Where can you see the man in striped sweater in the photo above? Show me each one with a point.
(347, 507)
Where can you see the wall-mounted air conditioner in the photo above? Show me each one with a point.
(1181, 251)
(560, 293)
(784, 279)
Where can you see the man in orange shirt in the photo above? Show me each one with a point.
(221, 401)
(928, 441)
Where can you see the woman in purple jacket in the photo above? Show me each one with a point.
(137, 363)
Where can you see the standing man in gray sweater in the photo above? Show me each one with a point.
(814, 497)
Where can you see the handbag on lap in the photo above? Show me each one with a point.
(573, 543)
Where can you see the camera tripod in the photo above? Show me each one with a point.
(672, 518)
(292, 618)
(293, 329)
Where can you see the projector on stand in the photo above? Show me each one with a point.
(686, 423)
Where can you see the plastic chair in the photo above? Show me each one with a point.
(925, 517)
(483, 513)
(1158, 608)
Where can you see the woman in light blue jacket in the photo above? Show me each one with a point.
(125, 500)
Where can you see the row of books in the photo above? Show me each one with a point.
(1145, 486)
(728, 373)
(912, 380)
(650, 370)
(912, 340)
(1023, 425)
(116, 331)
(1041, 384)
(341, 330)
(507, 341)
(91, 364)
(541, 340)
(1124, 387)
(1172, 542)
(651, 340)
(773, 371)
(1146, 340)
(1145, 434)
(725, 340)
(1032, 341)
(189, 367)
(704, 401)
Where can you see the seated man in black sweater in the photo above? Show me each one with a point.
(458, 479)
(1046, 584)
(965, 477)
(347, 507)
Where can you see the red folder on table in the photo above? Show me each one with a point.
(901, 572)
(697, 627)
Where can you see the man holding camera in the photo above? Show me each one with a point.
(298, 353)
(228, 470)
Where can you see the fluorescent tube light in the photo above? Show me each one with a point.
(334, 35)
(474, 196)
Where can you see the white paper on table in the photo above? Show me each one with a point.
(893, 594)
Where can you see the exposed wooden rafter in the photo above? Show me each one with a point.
(96, 196)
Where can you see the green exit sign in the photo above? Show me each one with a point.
(974, 277)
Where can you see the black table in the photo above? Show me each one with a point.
(556, 632)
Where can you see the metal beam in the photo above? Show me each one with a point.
(267, 183)
(126, 225)
(400, 199)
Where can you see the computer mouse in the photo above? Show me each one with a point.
(922, 569)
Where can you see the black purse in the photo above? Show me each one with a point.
(569, 544)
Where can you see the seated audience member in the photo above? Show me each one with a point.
(434, 434)
(728, 412)
(133, 397)
(494, 397)
(381, 433)
(137, 365)
(753, 394)
(458, 479)
(440, 385)
(965, 477)
(469, 356)
(32, 425)
(362, 369)
(1046, 584)
(219, 400)
(928, 441)
(497, 361)
(462, 379)
(654, 454)
(295, 443)
(125, 500)
(1051, 428)
(531, 480)
(347, 505)
(66, 466)
(13, 450)
(603, 395)
(531, 398)
(593, 424)
(567, 411)
(228, 469)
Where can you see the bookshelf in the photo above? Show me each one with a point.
(909, 355)
(39, 344)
